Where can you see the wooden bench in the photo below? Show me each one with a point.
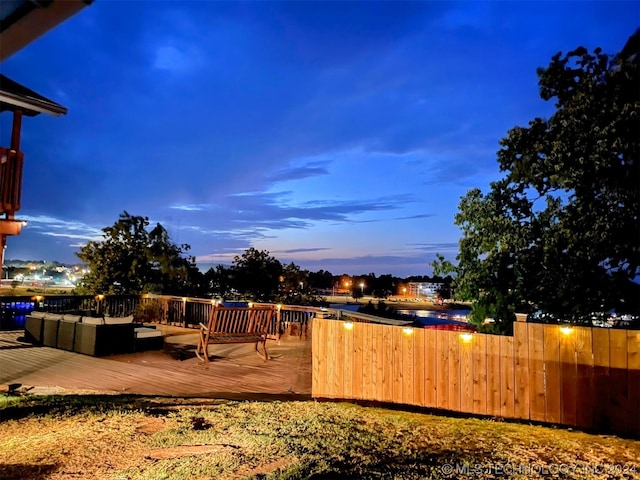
(236, 325)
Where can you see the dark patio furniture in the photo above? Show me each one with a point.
(67, 331)
(50, 330)
(98, 339)
(34, 324)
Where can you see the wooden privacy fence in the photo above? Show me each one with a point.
(583, 377)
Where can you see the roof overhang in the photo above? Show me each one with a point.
(14, 96)
(22, 21)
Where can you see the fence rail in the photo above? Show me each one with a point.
(583, 377)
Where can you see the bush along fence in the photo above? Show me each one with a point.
(581, 377)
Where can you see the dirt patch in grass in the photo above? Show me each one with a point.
(137, 438)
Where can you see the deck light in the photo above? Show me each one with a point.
(466, 337)
(407, 331)
(348, 325)
(184, 299)
(100, 297)
(250, 304)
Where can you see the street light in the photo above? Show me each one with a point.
(362, 288)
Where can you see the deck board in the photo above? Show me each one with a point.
(235, 371)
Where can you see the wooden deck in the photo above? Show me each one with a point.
(235, 372)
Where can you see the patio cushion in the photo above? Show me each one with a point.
(36, 314)
(93, 320)
(118, 320)
(71, 318)
(148, 339)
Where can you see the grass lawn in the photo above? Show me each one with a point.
(119, 437)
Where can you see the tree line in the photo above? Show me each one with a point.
(134, 258)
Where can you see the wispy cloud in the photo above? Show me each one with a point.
(56, 227)
(190, 208)
(298, 173)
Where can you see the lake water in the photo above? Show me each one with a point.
(426, 317)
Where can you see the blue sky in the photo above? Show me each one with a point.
(336, 135)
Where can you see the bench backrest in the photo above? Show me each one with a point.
(240, 320)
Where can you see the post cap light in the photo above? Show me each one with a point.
(566, 330)
(348, 325)
(466, 337)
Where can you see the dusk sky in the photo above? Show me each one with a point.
(337, 135)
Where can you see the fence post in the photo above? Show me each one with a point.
(521, 317)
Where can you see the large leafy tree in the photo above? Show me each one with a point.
(560, 232)
(131, 259)
(257, 274)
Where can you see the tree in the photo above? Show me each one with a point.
(219, 281)
(131, 259)
(560, 232)
(258, 274)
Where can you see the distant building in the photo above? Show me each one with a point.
(423, 289)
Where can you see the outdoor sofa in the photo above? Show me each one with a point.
(89, 335)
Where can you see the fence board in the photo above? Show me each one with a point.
(454, 370)
(378, 367)
(568, 377)
(467, 353)
(368, 354)
(536, 371)
(398, 365)
(338, 359)
(346, 347)
(318, 361)
(619, 381)
(331, 329)
(359, 334)
(552, 381)
(430, 367)
(507, 378)
(480, 374)
(601, 344)
(408, 379)
(442, 380)
(521, 369)
(387, 364)
(633, 372)
(493, 375)
(584, 380)
(418, 367)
